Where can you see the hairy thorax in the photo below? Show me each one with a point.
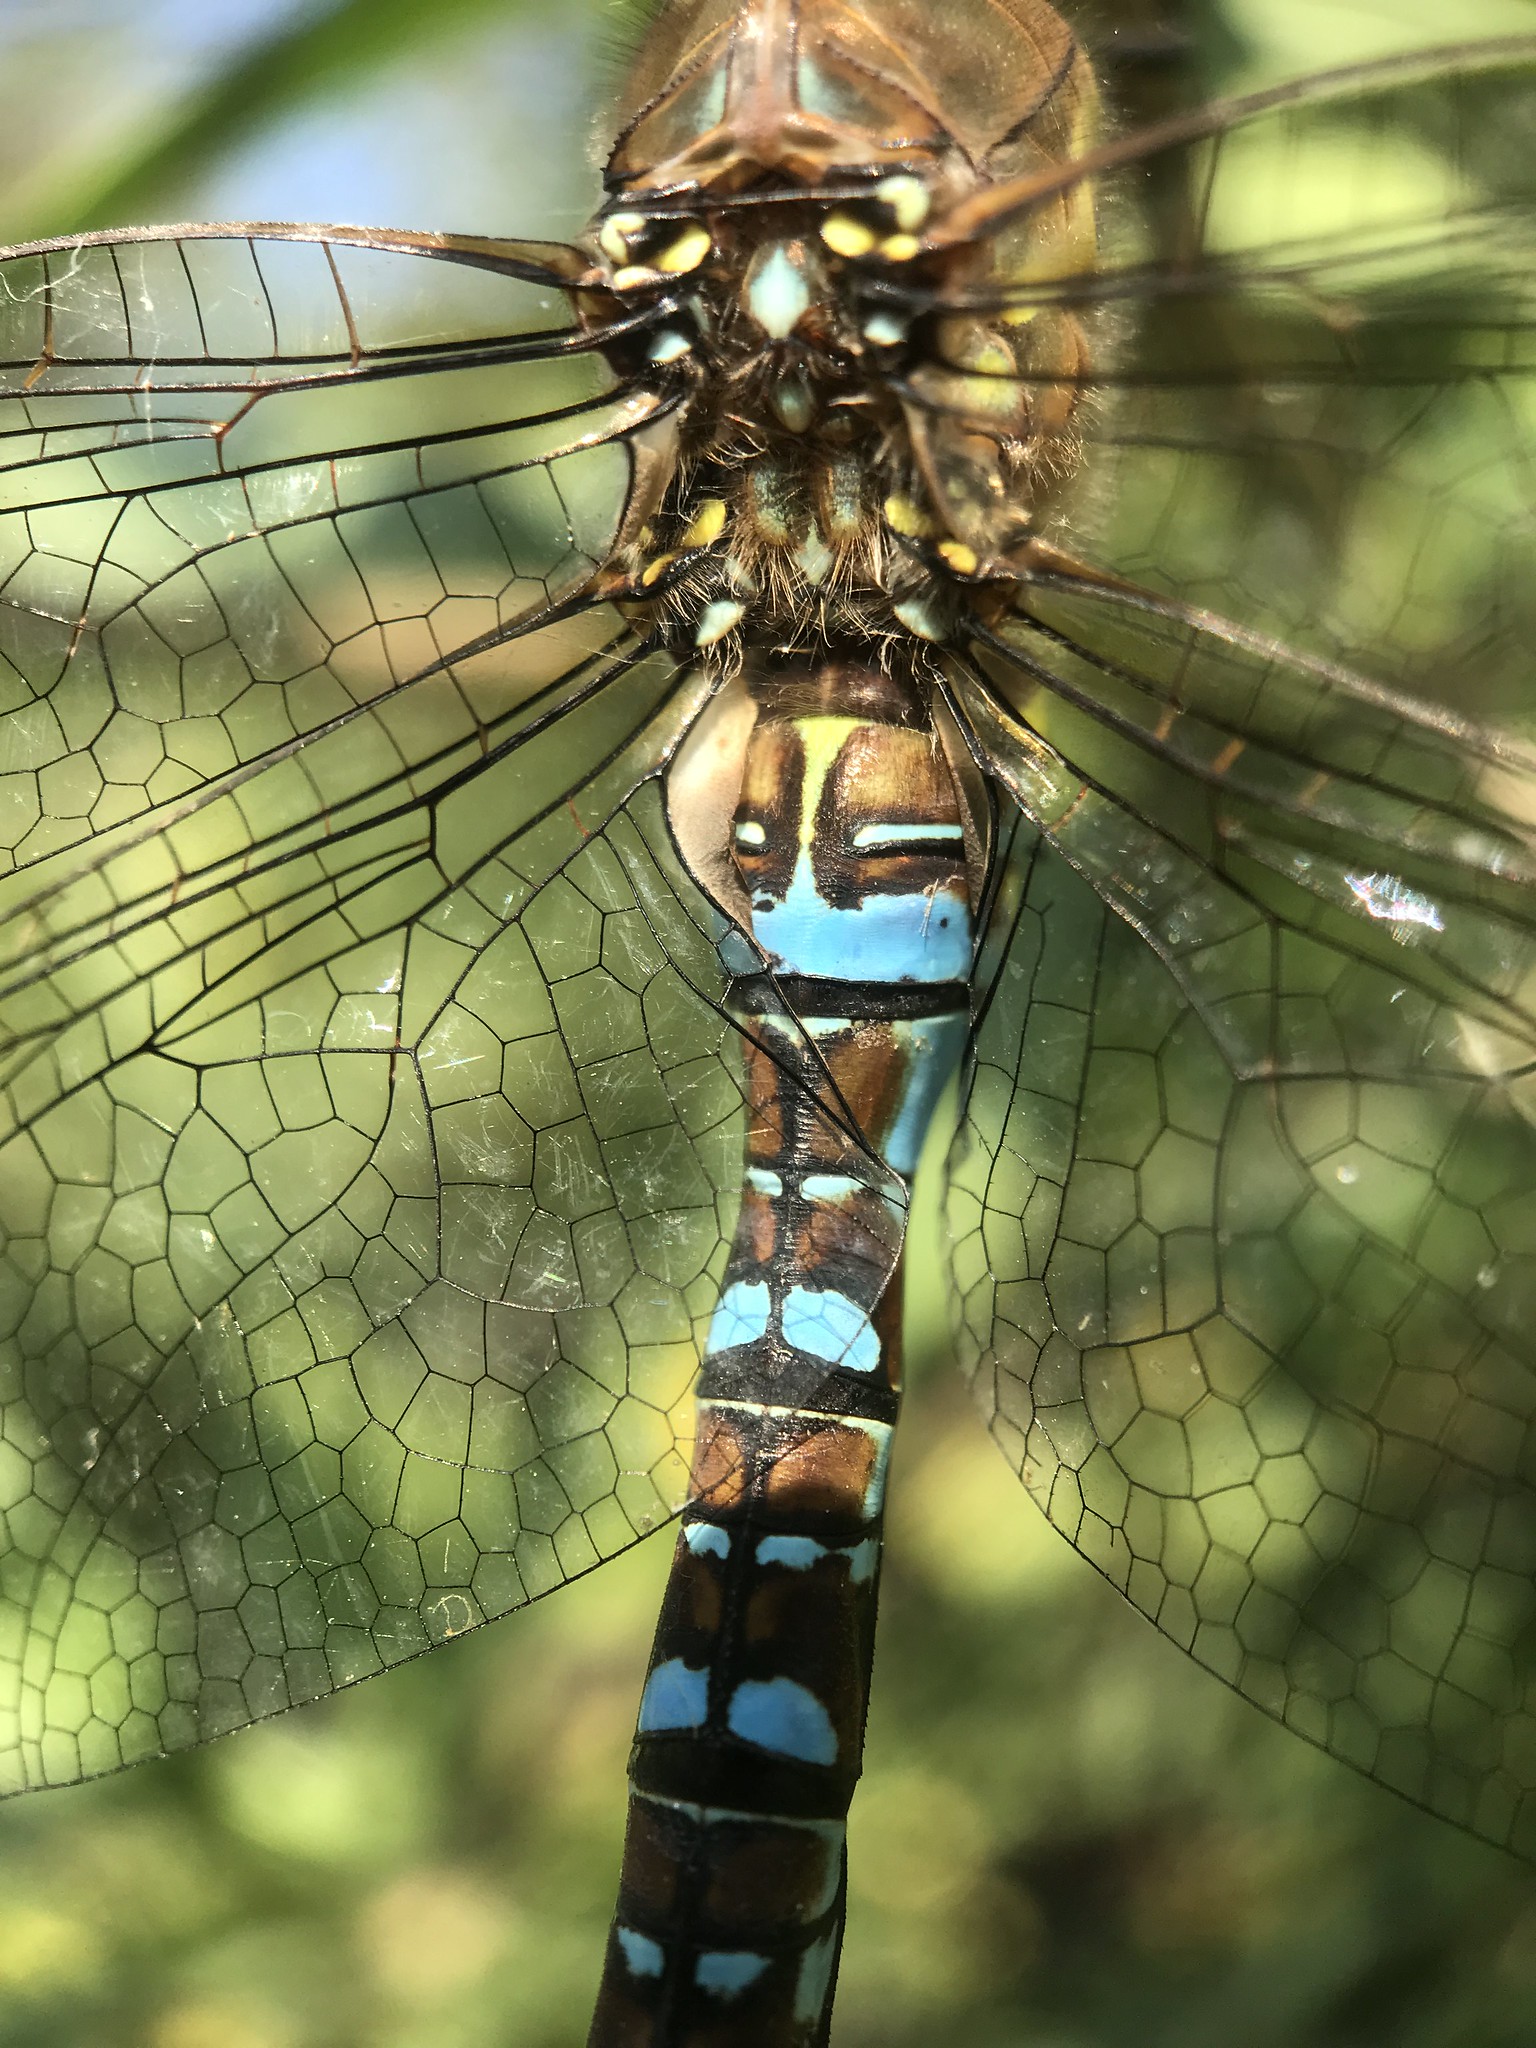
(875, 383)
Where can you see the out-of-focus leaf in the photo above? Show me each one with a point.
(325, 49)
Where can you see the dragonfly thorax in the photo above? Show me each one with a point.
(879, 398)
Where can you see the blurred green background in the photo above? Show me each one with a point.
(1068, 1836)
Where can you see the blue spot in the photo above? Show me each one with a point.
(740, 1318)
(933, 1046)
(830, 1326)
(885, 330)
(920, 936)
(726, 1974)
(705, 1540)
(832, 1187)
(920, 618)
(718, 619)
(643, 1955)
(675, 1696)
(875, 837)
(762, 1182)
(815, 557)
(799, 1553)
(778, 1715)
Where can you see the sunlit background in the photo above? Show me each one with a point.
(1068, 1836)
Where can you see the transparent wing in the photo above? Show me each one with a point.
(1324, 426)
(370, 1125)
(1242, 1197)
(250, 484)
(1260, 1345)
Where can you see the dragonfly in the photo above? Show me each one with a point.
(530, 767)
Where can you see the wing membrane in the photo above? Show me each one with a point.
(352, 1301)
(1243, 1270)
(1325, 419)
(250, 487)
(368, 1112)
(1259, 1344)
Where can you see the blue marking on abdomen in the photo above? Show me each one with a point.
(799, 1553)
(741, 1316)
(828, 1325)
(781, 1716)
(705, 1539)
(924, 936)
(644, 1956)
(675, 1696)
(836, 1188)
(726, 1973)
(933, 1046)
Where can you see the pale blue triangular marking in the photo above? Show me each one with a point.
(828, 1325)
(643, 1956)
(726, 1974)
(675, 1696)
(781, 1716)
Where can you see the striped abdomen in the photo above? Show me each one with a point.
(848, 840)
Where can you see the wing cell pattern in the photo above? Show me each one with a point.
(1259, 1345)
(372, 1124)
(369, 1121)
(1245, 1272)
(248, 489)
(364, 1311)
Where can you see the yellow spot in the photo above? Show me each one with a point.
(963, 560)
(707, 526)
(616, 234)
(687, 252)
(845, 236)
(902, 516)
(900, 248)
(612, 243)
(654, 571)
(908, 199)
(1018, 316)
(633, 276)
(993, 360)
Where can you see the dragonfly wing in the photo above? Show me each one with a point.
(367, 1108)
(1260, 1345)
(1244, 1268)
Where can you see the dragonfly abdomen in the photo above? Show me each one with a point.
(849, 845)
